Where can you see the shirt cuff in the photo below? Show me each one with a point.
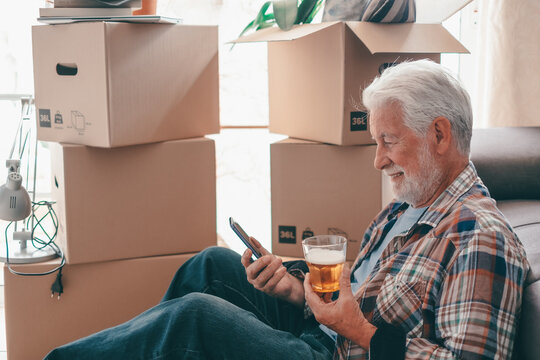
(297, 268)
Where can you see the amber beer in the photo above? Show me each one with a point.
(325, 256)
(325, 267)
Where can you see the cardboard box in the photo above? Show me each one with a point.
(143, 200)
(316, 73)
(322, 189)
(96, 296)
(111, 84)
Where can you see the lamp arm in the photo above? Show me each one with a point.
(10, 158)
(13, 164)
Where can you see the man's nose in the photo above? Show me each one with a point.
(381, 158)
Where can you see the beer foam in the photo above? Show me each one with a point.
(325, 257)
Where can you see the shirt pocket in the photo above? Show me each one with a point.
(400, 303)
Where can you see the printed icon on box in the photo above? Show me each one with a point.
(45, 118)
(58, 118)
(307, 233)
(337, 231)
(287, 234)
(358, 121)
(78, 120)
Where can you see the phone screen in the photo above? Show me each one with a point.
(244, 237)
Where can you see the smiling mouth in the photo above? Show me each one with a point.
(395, 175)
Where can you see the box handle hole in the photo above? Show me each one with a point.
(66, 69)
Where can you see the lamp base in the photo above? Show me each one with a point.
(27, 255)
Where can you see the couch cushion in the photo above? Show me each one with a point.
(527, 345)
(521, 212)
(524, 216)
(508, 161)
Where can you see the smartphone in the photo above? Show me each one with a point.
(244, 237)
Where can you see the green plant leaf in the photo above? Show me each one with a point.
(249, 26)
(314, 12)
(285, 12)
(259, 19)
(266, 24)
(304, 10)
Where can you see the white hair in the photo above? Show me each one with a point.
(424, 90)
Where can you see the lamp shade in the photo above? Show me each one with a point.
(15, 202)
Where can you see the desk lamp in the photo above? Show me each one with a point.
(15, 203)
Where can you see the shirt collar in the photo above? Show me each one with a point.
(440, 207)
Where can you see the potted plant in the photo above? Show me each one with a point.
(286, 13)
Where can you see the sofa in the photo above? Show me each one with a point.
(508, 162)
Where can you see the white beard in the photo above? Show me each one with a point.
(417, 188)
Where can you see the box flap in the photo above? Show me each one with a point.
(427, 12)
(290, 140)
(276, 34)
(406, 38)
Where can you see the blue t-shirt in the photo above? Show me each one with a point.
(409, 217)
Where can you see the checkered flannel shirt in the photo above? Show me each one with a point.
(453, 283)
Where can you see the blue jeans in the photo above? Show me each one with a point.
(210, 311)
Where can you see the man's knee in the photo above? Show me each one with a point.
(217, 253)
(54, 355)
(202, 271)
(203, 308)
(194, 301)
(217, 260)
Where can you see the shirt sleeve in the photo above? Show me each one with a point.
(298, 269)
(479, 303)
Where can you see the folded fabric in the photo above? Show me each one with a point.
(343, 10)
(390, 11)
(383, 11)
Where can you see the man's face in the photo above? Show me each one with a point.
(405, 157)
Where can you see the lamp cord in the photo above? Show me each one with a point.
(42, 243)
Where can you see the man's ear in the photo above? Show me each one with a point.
(442, 130)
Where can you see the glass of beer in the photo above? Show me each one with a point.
(325, 256)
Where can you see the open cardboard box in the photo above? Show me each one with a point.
(110, 84)
(316, 72)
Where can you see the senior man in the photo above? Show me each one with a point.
(439, 275)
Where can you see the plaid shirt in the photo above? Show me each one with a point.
(453, 283)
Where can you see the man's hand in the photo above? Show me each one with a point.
(268, 274)
(343, 315)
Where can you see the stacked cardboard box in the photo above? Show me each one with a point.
(125, 108)
(316, 76)
(320, 188)
(97, 296)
